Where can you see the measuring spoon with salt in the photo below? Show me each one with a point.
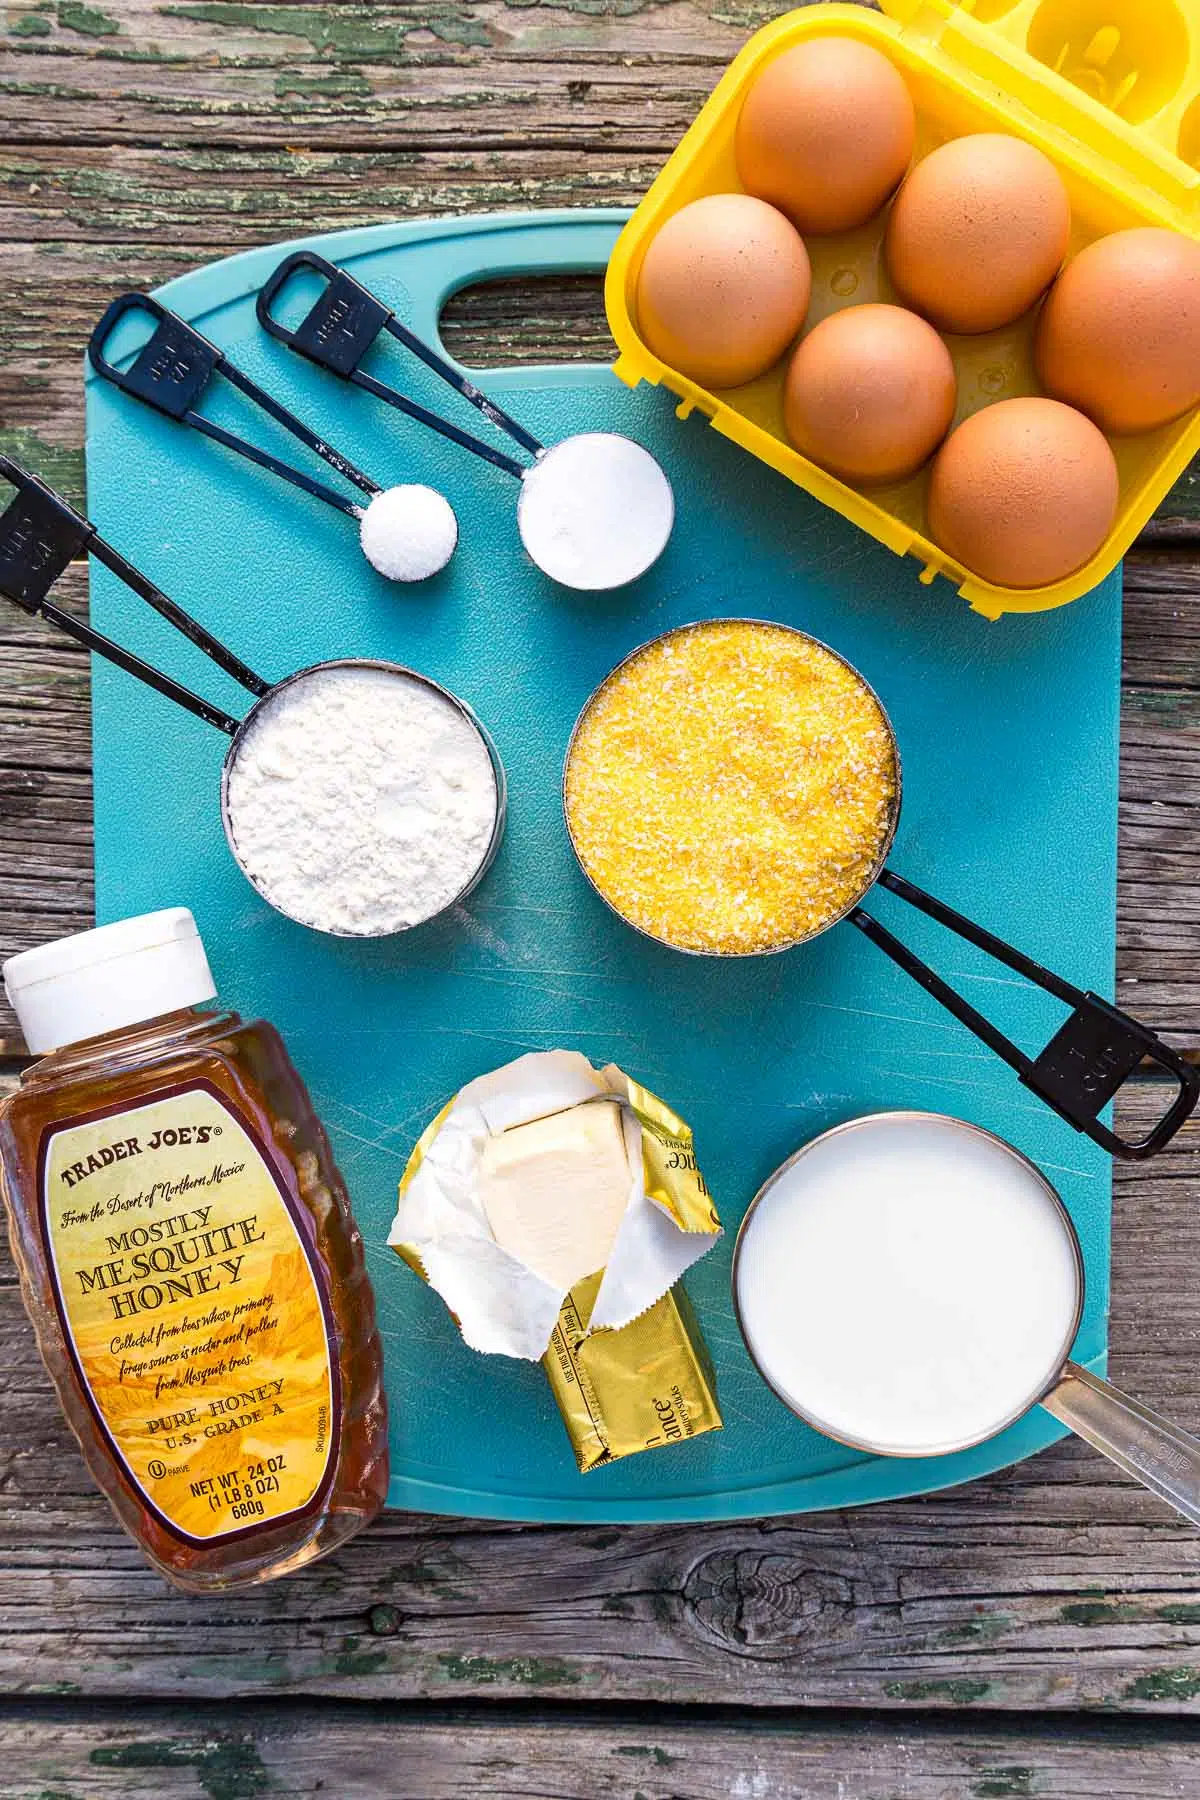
(407, 532)
(595, 509)
(41, 533)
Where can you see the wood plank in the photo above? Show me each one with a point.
(1055, 1585)
(237, 1753)
(328, 76)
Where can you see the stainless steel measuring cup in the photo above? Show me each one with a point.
(41, 533)
(1156, 1453)
(595, 510)
(1088, 1059)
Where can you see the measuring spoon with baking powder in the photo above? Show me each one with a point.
(407, 532)
(595, 509)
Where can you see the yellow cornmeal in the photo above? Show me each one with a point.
(731, 787)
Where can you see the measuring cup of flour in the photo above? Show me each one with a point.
(910, 1285)
(357, 796)
(361, 798)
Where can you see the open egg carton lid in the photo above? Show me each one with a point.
(1114, 83)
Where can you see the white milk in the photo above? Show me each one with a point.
(907, 1284)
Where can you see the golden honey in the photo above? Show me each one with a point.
(732, 787)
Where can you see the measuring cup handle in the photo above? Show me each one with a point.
(1086, 1062)
(1158, 1454)
(39, 535)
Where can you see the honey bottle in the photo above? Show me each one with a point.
(189, 1260)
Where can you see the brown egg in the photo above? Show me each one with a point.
(870, 393)
(1023, 493)
(977, 231)
(825, 133)
(1119, 335)
(724, 289)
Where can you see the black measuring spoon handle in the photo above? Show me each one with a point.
(466, 440)
(298, 428)
(170, 373)
(339, 329)
(462, 385)
(40, 534)
(1086, 1062)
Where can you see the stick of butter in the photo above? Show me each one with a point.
(555, 1190)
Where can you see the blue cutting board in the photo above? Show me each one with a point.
(1009, 739)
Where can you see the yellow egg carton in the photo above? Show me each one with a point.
(1108, 89)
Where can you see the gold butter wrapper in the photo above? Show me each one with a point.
(670, 1173)
(646, 1385)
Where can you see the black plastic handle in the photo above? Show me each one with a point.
(40, 533)
(173, 367)
(340, 327)
(170, 374)
(1086, 1062)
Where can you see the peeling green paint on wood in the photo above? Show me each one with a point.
(1183, 501)
(339, 84)
(525, 1671)
(662, 1759)
(956, 1693)
(357, 33)
(595, 9)
(1101, 1612)
(227, 1764)
(1165, 1684)
(88, 21)
(55, 463)
(29, 25)
(1127, 1612)
(975, 1631)
(1015, 1779)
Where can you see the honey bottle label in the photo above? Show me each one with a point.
(195, 1313)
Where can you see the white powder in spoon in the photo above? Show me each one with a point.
(360, 800)
(408, 533)
(595, 511)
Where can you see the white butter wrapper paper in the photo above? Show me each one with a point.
(503, 1307)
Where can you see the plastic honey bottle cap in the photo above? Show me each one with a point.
(99, 981)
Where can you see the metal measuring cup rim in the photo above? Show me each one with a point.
(461, 706)
(886, 842)
(892, 1116)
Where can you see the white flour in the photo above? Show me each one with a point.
(361, 801)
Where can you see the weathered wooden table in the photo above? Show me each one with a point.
(1037, 1634)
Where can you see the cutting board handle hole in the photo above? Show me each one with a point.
(528, 319)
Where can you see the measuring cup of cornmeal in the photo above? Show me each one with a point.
(911, 1285)
(357, 796)
(733, 789)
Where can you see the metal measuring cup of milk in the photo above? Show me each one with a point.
(1088, 1059)
(1156, 1453)
(41, 533)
